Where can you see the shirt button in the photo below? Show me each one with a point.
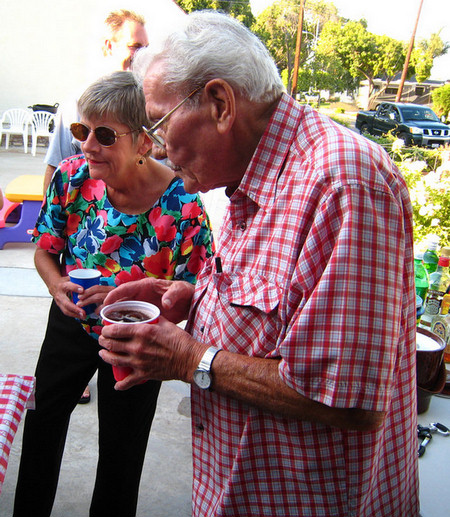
(242, 226)
(200, 427)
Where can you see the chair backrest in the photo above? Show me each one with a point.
(42, 123)
(17, 118)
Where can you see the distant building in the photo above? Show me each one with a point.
(413, 92)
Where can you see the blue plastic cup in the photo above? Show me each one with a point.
(86, 278)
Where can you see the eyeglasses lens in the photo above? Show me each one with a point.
(104, 135)
(79, 131)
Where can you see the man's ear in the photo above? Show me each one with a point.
(107, 48)
(222, 101)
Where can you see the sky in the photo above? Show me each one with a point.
(396, 18)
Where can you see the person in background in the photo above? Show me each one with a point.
(117, 210)
(125, 34)
(300, 344)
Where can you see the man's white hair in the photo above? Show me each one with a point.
(212, 45)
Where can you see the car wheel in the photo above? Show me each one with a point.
(364, 129)
(406, 139)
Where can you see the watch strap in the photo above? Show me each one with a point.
(207, 359)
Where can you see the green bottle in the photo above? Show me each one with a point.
(430, 257)
(422, 283)
(439, 283)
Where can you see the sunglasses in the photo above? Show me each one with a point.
(105, 135)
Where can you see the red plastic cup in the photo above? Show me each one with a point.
(128, 313)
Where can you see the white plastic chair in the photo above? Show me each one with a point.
(42, 124)
(15, 122)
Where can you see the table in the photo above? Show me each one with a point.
(434, 465)
(16, 395)
(26, 189)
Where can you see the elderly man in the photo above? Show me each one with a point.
(125, 34)
(300, 341)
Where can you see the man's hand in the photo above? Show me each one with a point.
(172, 297)
(160, 351)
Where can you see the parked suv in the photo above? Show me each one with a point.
(413, 123)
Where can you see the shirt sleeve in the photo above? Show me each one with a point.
(343, 333)
(62, 144)
(50, 230)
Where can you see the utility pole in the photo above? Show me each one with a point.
(408, 57)
(297, 48)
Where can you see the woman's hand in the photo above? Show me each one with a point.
(61, 289)
(95, 294)
(173, 297)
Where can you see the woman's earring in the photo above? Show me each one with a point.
(141, 160)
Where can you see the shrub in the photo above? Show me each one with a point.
(441, 100)
(427, 174)
(340, 120)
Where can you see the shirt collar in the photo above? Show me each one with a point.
(260, 180)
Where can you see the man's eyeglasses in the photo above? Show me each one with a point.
(105, 135)
(158, 139)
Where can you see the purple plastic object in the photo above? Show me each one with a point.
(22, 231)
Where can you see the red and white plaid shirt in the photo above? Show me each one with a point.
(317, 259)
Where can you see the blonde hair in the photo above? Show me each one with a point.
(116, 19)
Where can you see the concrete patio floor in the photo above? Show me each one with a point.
(166, 481)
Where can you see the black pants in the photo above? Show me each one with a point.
(68, 359)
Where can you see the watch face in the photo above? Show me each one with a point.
(202, 379)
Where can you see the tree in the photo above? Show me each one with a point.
(277, 28)
(239, 9)
(424, 54)
(359, 52)
(441, 100)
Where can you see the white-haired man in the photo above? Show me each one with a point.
(300, 344)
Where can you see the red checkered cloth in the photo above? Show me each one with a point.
(16, 395)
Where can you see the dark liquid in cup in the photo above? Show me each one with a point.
(127, 316)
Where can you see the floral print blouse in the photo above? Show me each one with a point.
(171, 240)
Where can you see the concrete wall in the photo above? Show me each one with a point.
(50, 49)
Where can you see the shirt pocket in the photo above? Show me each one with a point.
(249, 313)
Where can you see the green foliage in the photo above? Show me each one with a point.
(427, 174)
(352, 48)
(441, 100)
(277, 26)
(240, 9)
(340, 120)
(424, 53)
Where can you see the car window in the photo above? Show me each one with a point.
(419, 113)
(384, 110)
(396, 114)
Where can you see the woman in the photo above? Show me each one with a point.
(116, 210)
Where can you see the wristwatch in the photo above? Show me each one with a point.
(202, 375)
